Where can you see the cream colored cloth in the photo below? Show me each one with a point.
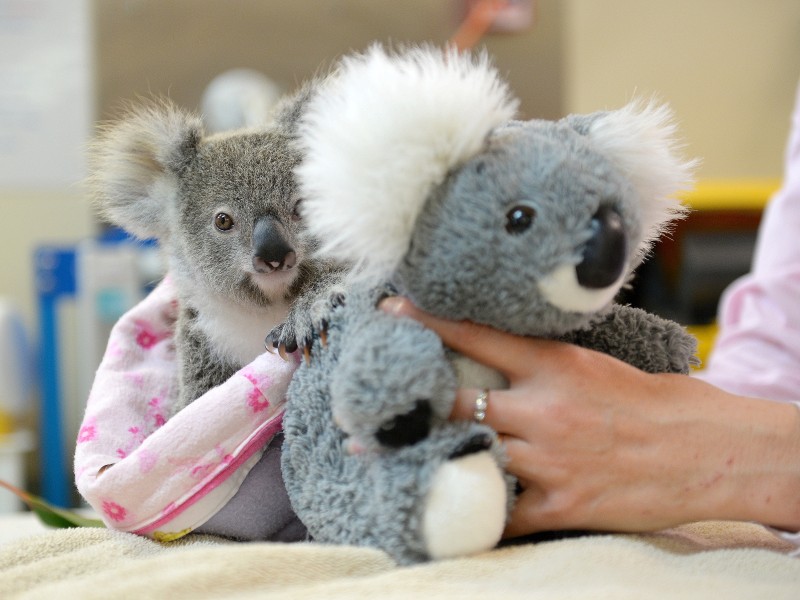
(703, 560)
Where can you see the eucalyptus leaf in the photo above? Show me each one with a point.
(52, 516)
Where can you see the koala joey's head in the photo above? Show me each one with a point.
(528, 226)
(223, 207)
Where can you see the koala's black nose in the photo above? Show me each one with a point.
(605, 253)
(271, 249)
(407, 429)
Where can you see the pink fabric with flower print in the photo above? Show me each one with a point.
(148, 473)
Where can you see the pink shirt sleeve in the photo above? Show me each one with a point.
(169, 475)
(757, 351)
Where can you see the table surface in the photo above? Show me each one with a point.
(15, 526)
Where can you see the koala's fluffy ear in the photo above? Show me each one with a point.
(380, 134)
(135, 164)
(641, 139)
(286, 114)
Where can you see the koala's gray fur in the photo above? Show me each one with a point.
(224, 209)
(369, 456)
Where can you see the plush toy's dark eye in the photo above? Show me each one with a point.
(223, 221)
(296, 212)
(519, 218)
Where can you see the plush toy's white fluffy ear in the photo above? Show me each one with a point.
(380, 134)
(641, 139)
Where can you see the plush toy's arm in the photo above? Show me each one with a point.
(393, 380)
(145, 472)
(405, 479)
(641, 339)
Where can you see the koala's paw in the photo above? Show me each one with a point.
(307, 317)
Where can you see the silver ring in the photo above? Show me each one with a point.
(481, 404)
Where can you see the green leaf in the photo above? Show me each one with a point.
(50, 515)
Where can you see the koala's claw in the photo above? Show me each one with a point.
(306, 319)
(269, 343)
(323, 334)
(272, 344)
(337, 299)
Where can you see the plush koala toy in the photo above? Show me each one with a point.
(415, 170)
(224, 208)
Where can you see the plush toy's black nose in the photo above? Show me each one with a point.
(605, 253)
(271, 249)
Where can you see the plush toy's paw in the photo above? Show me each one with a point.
(457, 521)
(308, 316)
(443, 497)
(642, 339)
(394, 386)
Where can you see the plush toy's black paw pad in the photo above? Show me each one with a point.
(477, 443)
(407, 429)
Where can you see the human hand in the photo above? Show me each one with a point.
(598, 444)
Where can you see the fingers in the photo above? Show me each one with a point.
(525, 518)
(534, 509)
(504, 411)
(507, 353)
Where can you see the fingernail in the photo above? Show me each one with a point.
(395, 305)
(282, 353)
(268, 343)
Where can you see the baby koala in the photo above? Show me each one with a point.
(224, 209)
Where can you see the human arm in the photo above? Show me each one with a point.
(598, 444)
(757, 348)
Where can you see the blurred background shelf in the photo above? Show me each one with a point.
(704, 253)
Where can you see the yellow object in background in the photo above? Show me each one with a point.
(6, 423)
(731, 194)
(705, 334)
(716, 199)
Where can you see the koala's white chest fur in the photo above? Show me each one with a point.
(238, 334)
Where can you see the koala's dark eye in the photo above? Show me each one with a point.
(296, 214)
(223, 221)
(519, 218)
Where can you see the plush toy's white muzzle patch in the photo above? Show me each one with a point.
(562, 290)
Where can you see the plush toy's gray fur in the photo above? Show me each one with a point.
(224, 208)
(531, 233)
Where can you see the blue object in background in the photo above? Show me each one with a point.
(55, 281)
(58, 279)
